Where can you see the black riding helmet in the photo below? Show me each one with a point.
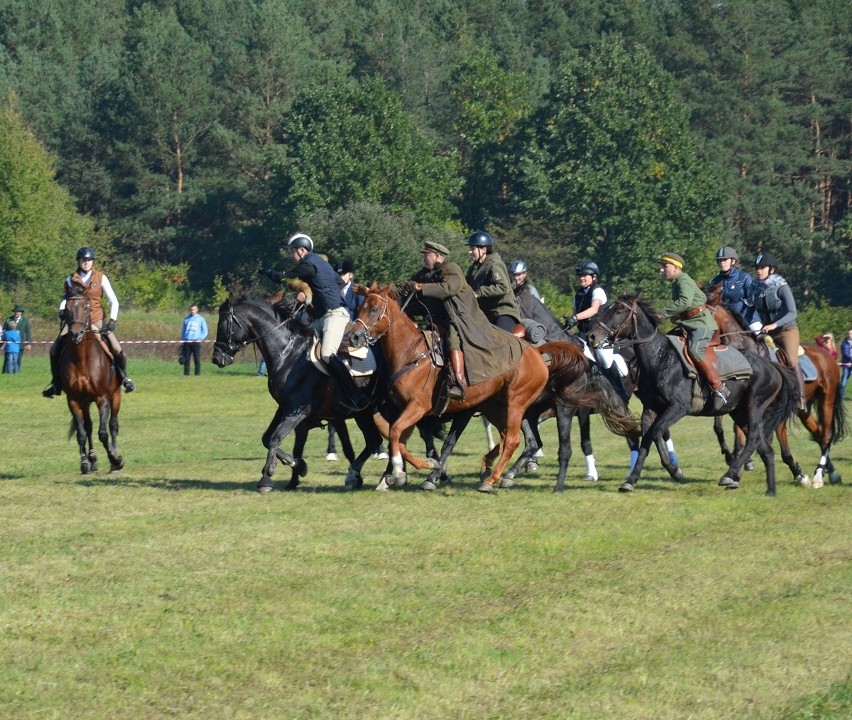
(588, 267)
(480, 239)
(764, 259)
(86, 253)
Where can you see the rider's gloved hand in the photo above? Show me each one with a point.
(570, 322)
(108, 327)
(274, 275)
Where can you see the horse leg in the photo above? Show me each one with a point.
(649, 420)
(278, 429)
(584, 416)
(457, 427)
(299, 441)
(719, 429)
(407, 419)
(372, 441)
(78, 424)
(787, 456)
(531, 446)
(564, 418)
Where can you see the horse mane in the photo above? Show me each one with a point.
(643, 305)
(713, 293)
(74, 289)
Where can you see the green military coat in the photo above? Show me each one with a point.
(490, 281)
(686, 295)
(488, 350)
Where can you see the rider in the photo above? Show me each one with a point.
(518, 271)
(97, 286)
(736, 283)
(688, 310)
(774, 313)
(488, 277)
(330, 311)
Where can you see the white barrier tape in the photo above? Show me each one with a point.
(133, 342)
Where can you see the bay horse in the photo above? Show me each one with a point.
(304, 395)
(825, 418)
(88, 376)
(757, 404)
(416, 382)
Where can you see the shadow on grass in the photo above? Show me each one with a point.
(10, 476)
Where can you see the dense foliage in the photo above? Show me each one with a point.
(195, 134)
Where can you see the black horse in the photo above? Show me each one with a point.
(304, 395)
(757, 404)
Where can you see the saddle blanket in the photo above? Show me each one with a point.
(809, 371)
(361, 361)
(732, 364)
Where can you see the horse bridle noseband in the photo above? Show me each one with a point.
(632, 313)
(229, 347)
(384, 314)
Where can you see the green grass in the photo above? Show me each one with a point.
(172, 589)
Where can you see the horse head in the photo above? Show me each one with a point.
(375, 315)
(77, 312)
(621, 321)
(232, 333)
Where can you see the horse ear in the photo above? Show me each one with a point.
(361, 290)
(374, 287)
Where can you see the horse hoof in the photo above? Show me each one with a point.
(399, 480)
(428, 485)
(94, 467)
(678, 474)
(770, 493)
(85, 468)
(383, 485)
(817, 483)
(531, 466)
(354, 481)
(264, 489)
(590, 478)
(507, 482)
(115, 467)
(487, 488)
(510, 475)
(733, 485)
(625, 487)
(749, 466)
(835, 479)
(301, 467)
(725, 481)
(804, 480)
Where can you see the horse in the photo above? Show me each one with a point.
(417, 385)
(88, 376)
(758, 404)
(825, 418)
(533, 309)
(294, 383)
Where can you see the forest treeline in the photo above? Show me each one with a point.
(187, 138)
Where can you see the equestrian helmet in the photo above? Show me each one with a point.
(300, 240)
(516, 267)
(765, 260)
(480, 239)
(86, 253)
(727, 253)
(587, 267)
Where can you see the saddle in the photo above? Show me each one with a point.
(731, 363)
(809, 371)
(360, 361)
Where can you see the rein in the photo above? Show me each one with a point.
(632, 318)
(386, 300)
(232, 318)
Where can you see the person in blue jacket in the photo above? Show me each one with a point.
(736, 283)
(192, 334)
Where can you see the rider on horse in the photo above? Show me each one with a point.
(97, 285)
(489, 278)
(688, 310)
(736, 283)
(774, 313)
(331, 316)
(468, 332)
(518, 270)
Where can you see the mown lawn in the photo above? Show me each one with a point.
(172, 589)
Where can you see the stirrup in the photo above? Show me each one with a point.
(722, 393)
(456, 392)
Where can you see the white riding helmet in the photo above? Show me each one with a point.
(300, 240)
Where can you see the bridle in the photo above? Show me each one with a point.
(229, 347)
(631, 321)
(371, 340)
(85, 323)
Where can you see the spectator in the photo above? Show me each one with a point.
(846, 362)
(23, 327)
(192, 334)
(826, 342)
(12, 349)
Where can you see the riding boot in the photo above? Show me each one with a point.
(55, 387)
(709, 370)
(800, 377)
(121, 369)
(618, 382)
(458, 388)
(355, 397)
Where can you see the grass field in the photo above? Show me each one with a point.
(172, 589)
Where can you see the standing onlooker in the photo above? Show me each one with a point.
(193, 333)
(846, 362)
(826, 342)
(12, 349)
(23, 327)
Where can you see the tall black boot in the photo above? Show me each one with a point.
(356, 399)
(121, 369)
(55, 387)
(800, 377)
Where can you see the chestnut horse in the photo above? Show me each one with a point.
(826, 424)
(88, 376)
(416, 383)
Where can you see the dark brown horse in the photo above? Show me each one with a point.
(825, 418)
(88, 376)
(416, 383)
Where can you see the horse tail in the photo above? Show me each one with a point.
(839, 426)
(786, 403)
(575, 383)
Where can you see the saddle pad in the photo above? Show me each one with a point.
(731, 363)
(362, 361)
(809, 370)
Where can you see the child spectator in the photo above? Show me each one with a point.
(12, 349)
